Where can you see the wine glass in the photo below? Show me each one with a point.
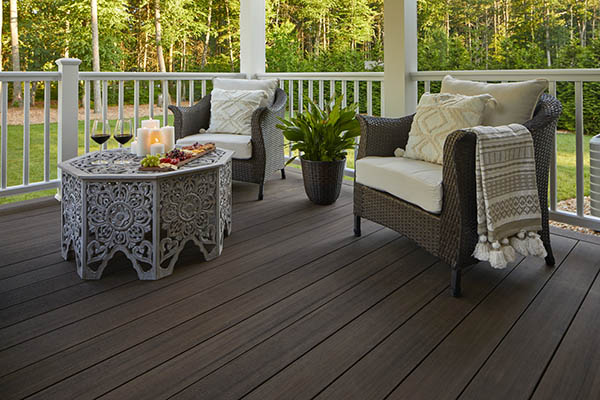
(100, 134)
(123, 134)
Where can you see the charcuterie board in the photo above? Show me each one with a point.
(197, 150)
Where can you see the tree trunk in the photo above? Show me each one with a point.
(96, 56)
(1, 8)
(229, 35)
(207, 38)
(171, 58)
(14, 39)
(159, 50)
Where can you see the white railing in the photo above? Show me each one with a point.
(574, 76)
(364, 88)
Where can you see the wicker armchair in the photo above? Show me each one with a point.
(451, 235)
(267, 139)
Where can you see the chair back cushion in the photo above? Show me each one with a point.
(515, 101)
(438, 115)
(231, 110)
(414, 181)
(268, 85)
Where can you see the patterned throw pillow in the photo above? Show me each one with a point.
(231, 110)
(438, 115)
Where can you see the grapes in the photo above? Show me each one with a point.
(151, 161)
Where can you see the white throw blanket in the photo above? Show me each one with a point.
(508, 208)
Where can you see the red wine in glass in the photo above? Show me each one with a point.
(100, 134)
(101, 138)
(124, 138)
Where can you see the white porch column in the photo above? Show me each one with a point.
(252, 37)
(400, 56)
(68, 107)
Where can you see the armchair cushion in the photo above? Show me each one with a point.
(240, 144)
(438, 115)
(231, 110)
(268, 85)
(515, 101)
(417, 182)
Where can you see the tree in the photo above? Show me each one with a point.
(95, 54)
(14, 39)
(159, 50)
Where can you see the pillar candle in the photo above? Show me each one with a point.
(143, 142)
(157, 148)
(151, 123)
(167, 137)
(134, 147)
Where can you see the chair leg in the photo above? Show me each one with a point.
(261, 188)
(455, 289)
(550, 259)
(282, 173)
(357, 232)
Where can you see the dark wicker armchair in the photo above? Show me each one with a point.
(267, 139)
(452, 234)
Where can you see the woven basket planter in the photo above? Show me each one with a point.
(323, 180)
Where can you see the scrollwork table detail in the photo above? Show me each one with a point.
(147, 216)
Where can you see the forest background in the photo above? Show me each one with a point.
(305, 35)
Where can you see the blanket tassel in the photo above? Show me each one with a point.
(519, 243)
(509, 252)
(497, 259)
(535, 246)
(482, 249)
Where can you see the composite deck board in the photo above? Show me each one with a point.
(469, 343)
(295, 307)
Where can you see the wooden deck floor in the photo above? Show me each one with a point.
(296, 307)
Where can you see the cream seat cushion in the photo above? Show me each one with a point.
(268, 85)
(438, 115)
(417, 182)
(515, 101)
(240, 144)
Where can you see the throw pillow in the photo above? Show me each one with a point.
(268, 85)
(515, 101)
(231, 110)
(438, 115)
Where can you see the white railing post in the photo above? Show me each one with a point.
(252, 37)
(68, 107)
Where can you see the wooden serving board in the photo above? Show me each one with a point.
(180, 164)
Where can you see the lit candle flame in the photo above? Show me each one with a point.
(156, 140)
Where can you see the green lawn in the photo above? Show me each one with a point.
(36, 155)
(565, 178)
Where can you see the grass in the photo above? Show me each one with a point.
(36, 156)
(565, 159)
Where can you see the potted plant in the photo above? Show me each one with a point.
(322, 138)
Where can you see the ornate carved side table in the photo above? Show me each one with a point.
(148, 216)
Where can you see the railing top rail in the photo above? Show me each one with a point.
(156, 76)
(12, 76)
(349, 76)
(559, 75)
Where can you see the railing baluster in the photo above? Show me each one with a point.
(136, 106)
(4, 180)
(381, 99)
(203, 87)
(191, 95)
(178, 92)
(47, 92)
(553, 160)
(579, 145)
(120, 100)
(344, 93)
(321, 93)
(427, 86)
(300, 96)
(310, 93)
(356, 90)
(26, 100)
(151, 99)
(331, 90)
(86, 120)
(291, 97)
(105, 111)
(165, 102)
(369, 97)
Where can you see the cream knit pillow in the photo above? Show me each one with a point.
(438, 115)
(231, 110)
(515, 101)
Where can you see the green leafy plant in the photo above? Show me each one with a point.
(322, 134)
